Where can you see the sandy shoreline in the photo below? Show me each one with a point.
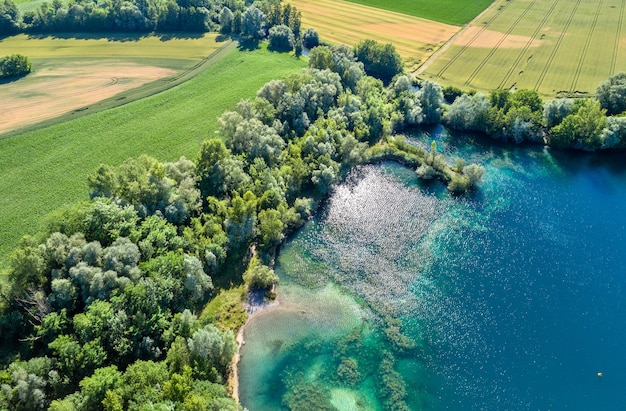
(253, 309)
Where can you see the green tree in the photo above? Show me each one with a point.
(9, 19)
(281, 38)
(612, 94)
(310, 38)
(253, 23)
(380, 61)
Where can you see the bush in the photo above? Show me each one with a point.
(380, 61)
(259, 276)
(310, 38)
(281, 38)
(14, 65)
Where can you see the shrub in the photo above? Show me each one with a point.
(14, 65)
(310, 38)
(281, 38)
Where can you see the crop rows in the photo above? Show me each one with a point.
(342, 22)
(558, 47)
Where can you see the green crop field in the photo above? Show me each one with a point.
(453, 12)
(339, 21)
(47, 168)
(557, 47)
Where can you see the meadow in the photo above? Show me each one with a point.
(557, 47)
(46, 169)
(342, 22)
(445, 11)
(72, 73)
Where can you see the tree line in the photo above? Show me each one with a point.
(228, 16)
(588, 124)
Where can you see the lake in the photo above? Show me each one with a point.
(398, 295)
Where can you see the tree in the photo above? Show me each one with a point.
(321, 57)
(253, 23)
(380, 61)
(95, 387)
(15, 65)
(9, 18)
(281, 38)
(226, 20)
(210, 352)
(468, 112)
(310, 38)
(612, 94)
(554, 111)
(582, 129)
(431, 98)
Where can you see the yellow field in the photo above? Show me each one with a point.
(121, 46)
(557, 47)
(339, 22)
(70, 74)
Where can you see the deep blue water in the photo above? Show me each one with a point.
(515, 292)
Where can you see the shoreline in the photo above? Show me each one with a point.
(253, 309)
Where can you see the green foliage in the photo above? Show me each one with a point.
(226, 309)
(253, 23)
(211, 352)
(612, 94)
(259, 276)
(310, 38)
(121, 133)
(380, 61)
(15, 65)
(582, 129)
(94, 388)
(9, 18)
(281, 38)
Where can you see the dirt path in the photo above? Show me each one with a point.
(448, 43)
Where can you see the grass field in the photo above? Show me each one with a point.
(47, 168)
(339, 21)
(557, 47)
(453, 12)
(72, 73)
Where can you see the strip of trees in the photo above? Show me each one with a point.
(232, 17)
(588, 124)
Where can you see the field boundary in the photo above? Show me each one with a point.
(498, 44)
(546, 66)
(583, 55)
(617, 37)
(528, 43)
(451, 40)
(144, 91)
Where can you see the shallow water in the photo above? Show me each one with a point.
(510, 299)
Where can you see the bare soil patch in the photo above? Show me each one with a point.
(51, 92)
(417, 31)
(490, 39)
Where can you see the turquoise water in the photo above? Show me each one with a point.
(399, 295)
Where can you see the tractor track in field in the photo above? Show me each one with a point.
(528, 43)
(546, 67)
(469, 43)
(617, 38)
(583, 56)
(498, 44)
